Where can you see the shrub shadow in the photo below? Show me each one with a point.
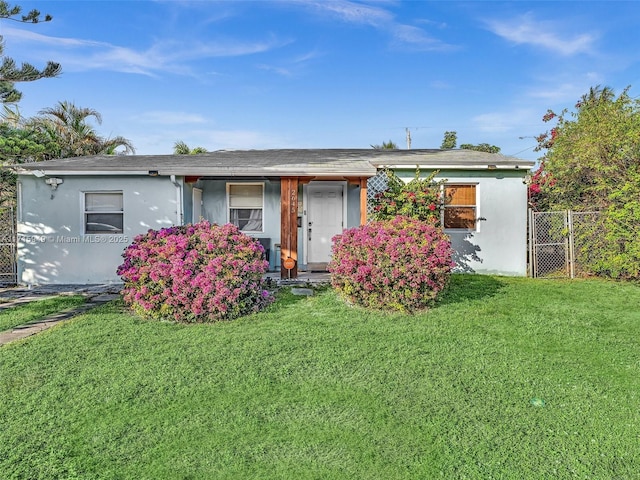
(284, 297)
(469, 287)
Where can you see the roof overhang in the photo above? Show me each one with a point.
(318, 163)
(523, 166)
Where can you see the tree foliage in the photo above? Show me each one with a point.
(67, 126)
(57, 132)
(449, 141)
(592, 162)
(481, 147)
(592, 151)
(390, 145)
(181, 148)
(18, 145)
(10, 72)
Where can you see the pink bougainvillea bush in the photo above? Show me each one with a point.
(398, 264)
(421, 198)
(195, 273)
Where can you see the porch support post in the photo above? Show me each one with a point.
(363, 201)
(288, 226)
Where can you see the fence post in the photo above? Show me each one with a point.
(531, 239)
(572, 256)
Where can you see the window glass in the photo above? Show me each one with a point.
(103, 212)
(460, 207)
(245, 206)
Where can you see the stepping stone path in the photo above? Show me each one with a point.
(99, 294)
(96, 295)
(302, 291)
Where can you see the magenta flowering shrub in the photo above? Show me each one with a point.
(421, 198)
(195, 273)
(398, 264)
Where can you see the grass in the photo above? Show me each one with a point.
(505, 378)
(11, 317)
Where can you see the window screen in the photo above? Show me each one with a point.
(246, 206)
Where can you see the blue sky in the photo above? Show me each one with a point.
(325, 74)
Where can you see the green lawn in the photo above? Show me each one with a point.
(27, 312)
(505, 378)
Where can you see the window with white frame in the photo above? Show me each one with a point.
(103, 212)
(460, 207)
(246, 205)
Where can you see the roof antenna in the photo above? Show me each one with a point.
(408, 138)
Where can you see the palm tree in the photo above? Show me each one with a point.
(11, 116)
(596, 95)
(67, 125)
(390, 145)
(181, 148)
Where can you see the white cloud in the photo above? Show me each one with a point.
(29, 36)
(351, 12)
(417, 38)
(292, 67)
(374, 16)
(285, 72)
(305, 57)
(565, 89)
(529, 31)
(163, 56)
(507, 121)
(558, 92)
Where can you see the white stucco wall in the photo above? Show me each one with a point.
(52, 248)
(499, 244)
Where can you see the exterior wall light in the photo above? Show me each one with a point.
(53, 182)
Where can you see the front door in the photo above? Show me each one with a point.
(324, 220)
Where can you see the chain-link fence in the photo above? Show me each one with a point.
(8, 274)
(549, 246)
(584, 227)
(559, 243)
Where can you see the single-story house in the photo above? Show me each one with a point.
(76, 215)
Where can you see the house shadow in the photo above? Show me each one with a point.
(469, 287)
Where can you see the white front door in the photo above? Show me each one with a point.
(324, 220)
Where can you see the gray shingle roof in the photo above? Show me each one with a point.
(278, 162)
